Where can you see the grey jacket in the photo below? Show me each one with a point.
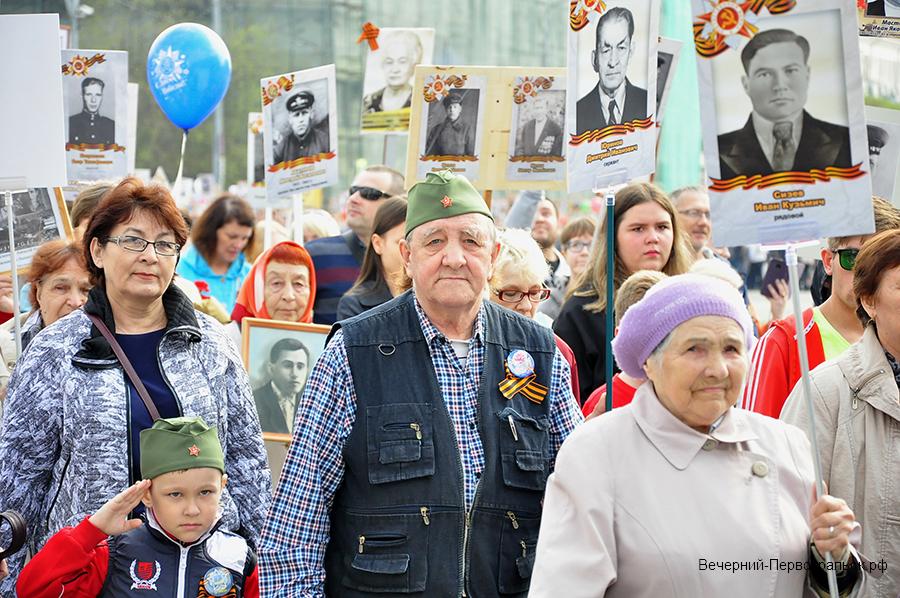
(64, 443)
(857, 410)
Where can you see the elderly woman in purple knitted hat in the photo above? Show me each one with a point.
(683, 495)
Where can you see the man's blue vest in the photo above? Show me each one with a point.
(399, 523)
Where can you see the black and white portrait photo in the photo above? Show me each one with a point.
(615, 99)
(883, 132)
(666, 64)
(539, 130)
(452, 124)
(88, 125)
(306, 133)
(38, 216)
(883, 8)
(782, 133)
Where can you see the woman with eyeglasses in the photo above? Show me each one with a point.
(70, 439)
(216, 255)
(382, 276)
(517, 283)
(857, 409)
(830, 328)
(648, 237)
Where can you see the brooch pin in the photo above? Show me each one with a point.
(520, 378)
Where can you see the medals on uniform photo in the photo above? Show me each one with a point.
(520, 378)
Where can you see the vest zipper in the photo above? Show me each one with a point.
(424, 511)
(182, 569)
(512, 517)
(362, 543)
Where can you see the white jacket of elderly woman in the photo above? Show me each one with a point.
(678, 494)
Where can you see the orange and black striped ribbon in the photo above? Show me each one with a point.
(527, 386)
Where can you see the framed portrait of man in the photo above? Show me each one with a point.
(300, 131)
(95, 96)
(537, 143)
(783, 125)
(278, 357)
(611, 115)
(879, 18)
(388, 83)
(666, 63)
(39, 215)
(883, 133)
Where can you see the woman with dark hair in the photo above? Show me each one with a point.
(80, 396)
(216, 255)
(647, 238)
(382, 276)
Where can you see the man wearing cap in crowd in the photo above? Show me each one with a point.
(454, 136)
(431, 424)
(878, 138)
(304, 139)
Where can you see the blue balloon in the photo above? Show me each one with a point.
(188, 69)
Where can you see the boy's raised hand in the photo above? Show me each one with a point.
(112, 518)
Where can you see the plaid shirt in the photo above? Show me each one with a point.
(292, 549)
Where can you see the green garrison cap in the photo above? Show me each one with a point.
(443, 195)
(179, 443)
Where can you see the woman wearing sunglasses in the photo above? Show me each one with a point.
(857, 409)
(831, 327)
(517, 283)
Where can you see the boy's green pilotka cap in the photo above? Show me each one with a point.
(179, 443)
(443, 195)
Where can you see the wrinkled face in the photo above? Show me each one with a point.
(842, 280)
(289, 371)
(231, 239)
(694, 217)
(450, 260)
(884, 308)
(577, 252)
(777, 81)
(544, 227)
(454, 110)
(139, 277)
(287, 291)
(398, 61)
(540, 107)
(644, 238)
(698, 375)
(361, 212)
(612, 54)
(62, 291)
(186, 503)
(299, 121)
(510, 279)
(93, 97)
(387, 246)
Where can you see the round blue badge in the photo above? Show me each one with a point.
(520, 363)
(218, 581)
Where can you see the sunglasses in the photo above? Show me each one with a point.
(847, 258)
(514, 296)
(369, 193)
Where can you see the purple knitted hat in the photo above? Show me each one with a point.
(669, 303)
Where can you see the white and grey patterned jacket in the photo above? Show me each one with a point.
(64, 442)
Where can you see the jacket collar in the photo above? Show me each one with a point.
(678, 442)
(160, 533)
(179, 313)
(869, 374)
(195, 260)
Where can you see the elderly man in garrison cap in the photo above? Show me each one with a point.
(878, 138)
(454, 136)
(304, 139)
(426, 432)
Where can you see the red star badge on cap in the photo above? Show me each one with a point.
(446, 202)
(194, 451)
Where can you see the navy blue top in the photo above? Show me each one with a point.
(143, 350)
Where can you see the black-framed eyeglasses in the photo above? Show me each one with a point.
(369, 193)
(515, 296)
(138, 245)
(847, 257)
(578, 246)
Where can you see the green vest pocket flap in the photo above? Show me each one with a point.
(386, 564)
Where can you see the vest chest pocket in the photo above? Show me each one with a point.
(518, 541)
(524, 449)
(400, 442)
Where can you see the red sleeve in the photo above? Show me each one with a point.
(251, 584)
(768, 385)
(72, 563)
(592, 401)
(4, 316)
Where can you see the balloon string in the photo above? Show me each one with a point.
(177, 186)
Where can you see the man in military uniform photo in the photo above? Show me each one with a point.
(304, 139)
(454, 136)
(88, 126)
(878, 138)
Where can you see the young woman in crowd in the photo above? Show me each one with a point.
(216, 255)
(647, 238)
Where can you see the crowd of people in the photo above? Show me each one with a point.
(440, 446)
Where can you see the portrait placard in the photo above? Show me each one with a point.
(388, 84)
(39, 215)
(879, 18)
(666, 63)
(301, 131)
(785, 163)
(95, 93)
(278, 357)
(883, 131)
(536, 148)
(611, 115)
